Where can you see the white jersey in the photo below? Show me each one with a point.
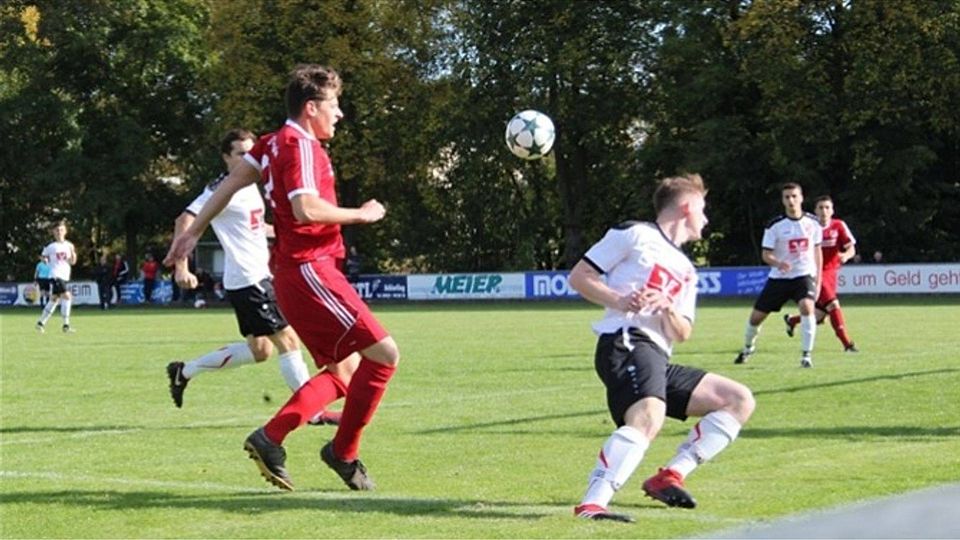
(241, 229)
(635, 256)
(793, 240)
(59, 255)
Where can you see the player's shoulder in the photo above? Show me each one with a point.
(810, 216)
(626, 225)
(772, 222)
(213, 184)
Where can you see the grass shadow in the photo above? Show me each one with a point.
(855, 433)
(895, 377)
(510, 422)
(263, 503)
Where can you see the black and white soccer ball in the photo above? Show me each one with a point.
(530, 134)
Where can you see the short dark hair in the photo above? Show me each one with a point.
(308, 82)
(822, 198)
(226, 143)
(791, 185)
(672, 188)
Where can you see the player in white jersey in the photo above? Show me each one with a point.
(649, 289)
(242, 232)
(791, 246)
(62, 255)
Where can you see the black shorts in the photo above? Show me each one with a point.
(776, 292)
(256, 309)
(58, 286)
(641, 371)
(44, 284)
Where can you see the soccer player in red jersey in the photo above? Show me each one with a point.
(839, 246)
(312, 292)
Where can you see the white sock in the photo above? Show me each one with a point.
(750, 337)
(707, 438)
(231, 356)
(48, 310)
(293, 369)
(65, 311)
(618, 458)
(808, 331)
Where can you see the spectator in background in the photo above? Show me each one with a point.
(41, 276)
(354, 261)
(148, 271)
(103, 274)
(119, 274)
(857, 259)
(878, 257)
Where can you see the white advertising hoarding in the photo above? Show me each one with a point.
(465, 286)
(899, 278)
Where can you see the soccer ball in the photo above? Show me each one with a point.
(530, 134)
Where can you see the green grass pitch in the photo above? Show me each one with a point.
(489, 428)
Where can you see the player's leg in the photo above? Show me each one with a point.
(724, 406)
(751, 332)
(839, 325)
(57, 289)
(633, 371)
(66, 305)
(342, 370)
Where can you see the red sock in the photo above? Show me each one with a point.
(794, 320)
(320, 391)
(366, 389)
(839, 326)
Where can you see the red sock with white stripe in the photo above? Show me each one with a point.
(706, 439)
(620, 456)
(231, 356)
(311, 398)
(363, 397)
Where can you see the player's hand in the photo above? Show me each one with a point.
(654, 301)
(783, 266)
(186, 280)
(372, 211)
(631, 301)
(180, 248)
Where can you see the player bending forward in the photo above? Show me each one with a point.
(649, 292)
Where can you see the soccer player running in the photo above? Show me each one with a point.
(791, 246)
(312, 292)
(839, 246)
(242, 232)
(649, 289)
(62, 255)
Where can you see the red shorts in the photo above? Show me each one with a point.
(325, 310)
(828, 288)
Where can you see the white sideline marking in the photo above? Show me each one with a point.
(81, 434)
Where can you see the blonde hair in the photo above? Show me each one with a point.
(672, 188)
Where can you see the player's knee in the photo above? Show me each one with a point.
(261, 349)
(741, 402)
(385, 352)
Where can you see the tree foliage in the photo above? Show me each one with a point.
(855, 98)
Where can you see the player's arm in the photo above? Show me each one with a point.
(242, 176)
(587, 281)
(772, 260)
(181, 268)
(311, 208)
(848, 252)
(818, 262)
(73, 255)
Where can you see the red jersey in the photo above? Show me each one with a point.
(836, 236)
(293, 162)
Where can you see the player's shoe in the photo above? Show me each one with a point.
(353, 473)
(597, 512)
(667, 487)
(270, 459)
(178, 383)
(806, 361)
(326, 418)
(67, 330)
(40, 328)
(852, 348)
(789, 327)
(743, 355)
